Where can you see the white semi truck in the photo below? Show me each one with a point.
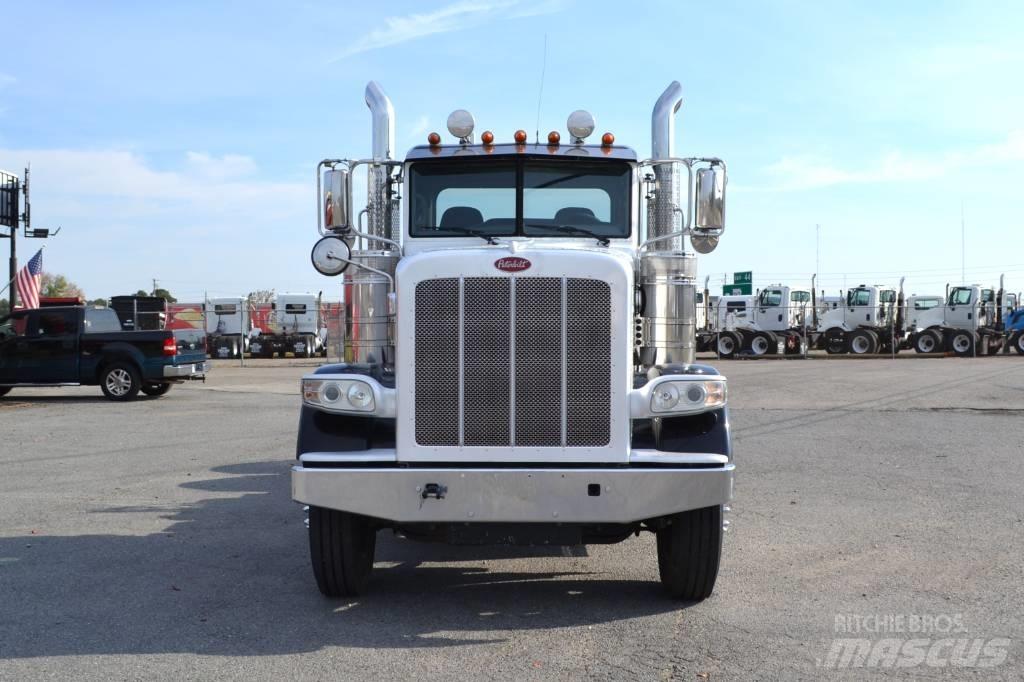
(296, 326)
(520, 319)
(228, 323)
(970, 322)
(869, 321)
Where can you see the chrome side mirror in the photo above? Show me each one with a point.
(336, 200)
(710, 199)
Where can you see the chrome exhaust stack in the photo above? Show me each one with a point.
(667, 274)
(369, 285)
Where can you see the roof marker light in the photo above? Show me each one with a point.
(607, 140)
(520, 137)
(581, 125)
(487, 137)
(554, 137)
(461, 124)
(433, 139)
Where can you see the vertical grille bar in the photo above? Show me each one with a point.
(588, 363)
(486, 352)
(538, 405)
(437, 362)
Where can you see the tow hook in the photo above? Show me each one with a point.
(434, 490)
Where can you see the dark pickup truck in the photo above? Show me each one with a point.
(78, 345)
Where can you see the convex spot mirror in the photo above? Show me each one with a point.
(336, 202)
(710, 199)
(331, 255)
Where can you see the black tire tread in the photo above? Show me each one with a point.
(689, 553)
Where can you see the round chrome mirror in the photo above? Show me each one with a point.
(703, 243)
(331, 255)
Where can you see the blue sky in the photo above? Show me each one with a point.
(178, 141)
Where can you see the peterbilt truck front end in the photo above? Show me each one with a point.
(519, 352)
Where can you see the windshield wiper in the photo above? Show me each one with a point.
(572, 229)
(461, 230)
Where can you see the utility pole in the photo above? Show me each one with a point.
(817, 250)
(963, 247)
(10, 189)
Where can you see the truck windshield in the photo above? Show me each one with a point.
(960, 296)
(857, 297)
(526, 197)
(771, 297)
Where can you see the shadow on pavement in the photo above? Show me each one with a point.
(230, 575)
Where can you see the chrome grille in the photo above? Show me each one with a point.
(522, 361)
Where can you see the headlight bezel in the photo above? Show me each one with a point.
(316, 389)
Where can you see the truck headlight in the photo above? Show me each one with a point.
(687, 396)
(338, 395)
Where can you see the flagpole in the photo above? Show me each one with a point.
(14, 278)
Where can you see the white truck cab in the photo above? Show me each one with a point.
(869, 321)
(519, 350)
(969, 322)
(228, 322)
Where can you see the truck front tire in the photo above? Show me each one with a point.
(728, 344)
(120, 381)
(341, 547)
(689, 551)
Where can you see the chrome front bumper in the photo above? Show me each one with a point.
(511, 495)
(195, 370)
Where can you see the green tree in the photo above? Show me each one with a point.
(166, 295)
(54, 286)
(140, 292)
(101, 302)
(5, 306)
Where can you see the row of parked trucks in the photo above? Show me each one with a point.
(293, 323)
(966, 321)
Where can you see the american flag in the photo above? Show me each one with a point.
(28, 281)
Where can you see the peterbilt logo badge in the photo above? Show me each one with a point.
(512, 264)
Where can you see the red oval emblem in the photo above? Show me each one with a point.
(512, 264)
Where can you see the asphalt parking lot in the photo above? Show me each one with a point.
(157, 539)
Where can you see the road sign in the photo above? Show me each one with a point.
(736, 289)
(743, 278)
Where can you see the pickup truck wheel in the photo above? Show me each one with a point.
(156, 390)
(689, 550)
(120, 381)
(341, 546)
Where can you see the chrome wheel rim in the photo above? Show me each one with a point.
(119, 382)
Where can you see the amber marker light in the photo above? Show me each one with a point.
(434, 139)
(520, 137)
(607, 140)
(554, 137)
(487, 137)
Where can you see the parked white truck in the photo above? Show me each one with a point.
(870, 321)
(971, 322)
(521, 347)
(228, 323)
(296, 326)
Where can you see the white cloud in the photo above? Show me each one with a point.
(220, 168)
(454, 17)
(811, 172)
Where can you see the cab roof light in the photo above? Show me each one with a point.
(433, 139)
(461, 124)
(581, 125)
(607, 140)
(520, 137)
(554, 138)
(487, 137)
